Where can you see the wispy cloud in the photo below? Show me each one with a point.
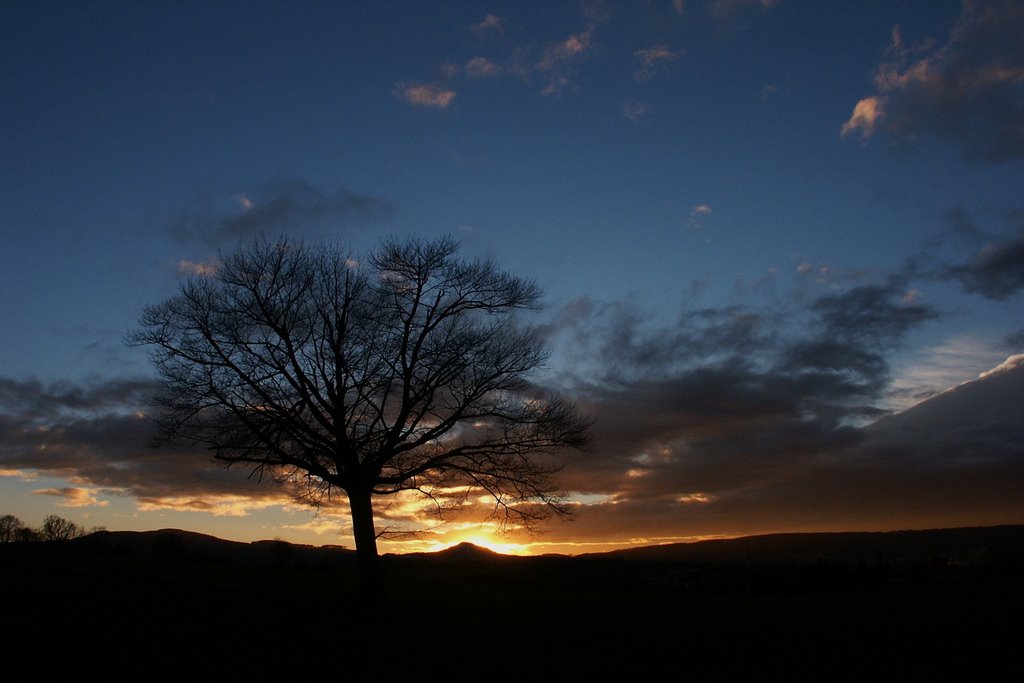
(74, 497)
(700, 210)
(424, 95)
(291, 206)
(218, 505)
(969, 92)
(653, 60)
(481, 67)
(635, 110)
(491, 22)
(194, 268)
(996, 271)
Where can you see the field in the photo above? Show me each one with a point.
(939, 604)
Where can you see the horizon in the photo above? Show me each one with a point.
(781, 245)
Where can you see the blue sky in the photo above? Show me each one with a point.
(795, 164)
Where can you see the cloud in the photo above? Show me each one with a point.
(564, 51)
(996, 272)
(193, 268)
(729, 396)
(1015, 340)
(969, 92)
(700, 210)
(20, 474)
(489, 23)
(745, 420)
(287, 207)
(422, 95)
(218, 505)
(74, 497)
(679, 6)
(866, 116)
(635, 110)
(652, 61)
(481, 67)
(558, 59)
(98, 435)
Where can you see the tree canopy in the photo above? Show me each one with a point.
(408, 370)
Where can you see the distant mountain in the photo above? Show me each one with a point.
(962, 544)
(967, 544)
(177, 544)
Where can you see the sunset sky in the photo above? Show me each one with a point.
(773, 236)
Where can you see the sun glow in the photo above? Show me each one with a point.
(484, 541)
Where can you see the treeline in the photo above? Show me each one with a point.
(54, 528)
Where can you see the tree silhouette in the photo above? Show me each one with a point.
(59, 529)
(406, 372)
(9, 526)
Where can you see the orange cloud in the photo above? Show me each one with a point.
(866, 115)
(425, 95)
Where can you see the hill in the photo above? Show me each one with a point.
(822, 606)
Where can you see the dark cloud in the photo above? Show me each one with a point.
(33, 401)
(289, 207)
(1015, 340)
(955, 459)
(733, 397)
(99, 436)
(996, 272)
(968, 92)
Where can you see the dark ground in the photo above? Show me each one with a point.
(943, 604)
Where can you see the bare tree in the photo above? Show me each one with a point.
(59, 529)
(9, 525)
(406, 372)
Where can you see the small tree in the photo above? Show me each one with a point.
(9, 525)
(407, 372)
(59, 529)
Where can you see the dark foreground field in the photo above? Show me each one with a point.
(943, 604)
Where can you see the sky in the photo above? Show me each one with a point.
(781, 243)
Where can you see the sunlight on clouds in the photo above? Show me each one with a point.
(244, 201)
(425, 95)
(73, 497)
(689, 498)
(218, 506)
(479, 537)
(937, 369)
(321, 526)
(1010, 363)
(21, 474)
(593, 499)
(866, 115)
(700, 210)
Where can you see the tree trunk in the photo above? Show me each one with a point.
(371, 584)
